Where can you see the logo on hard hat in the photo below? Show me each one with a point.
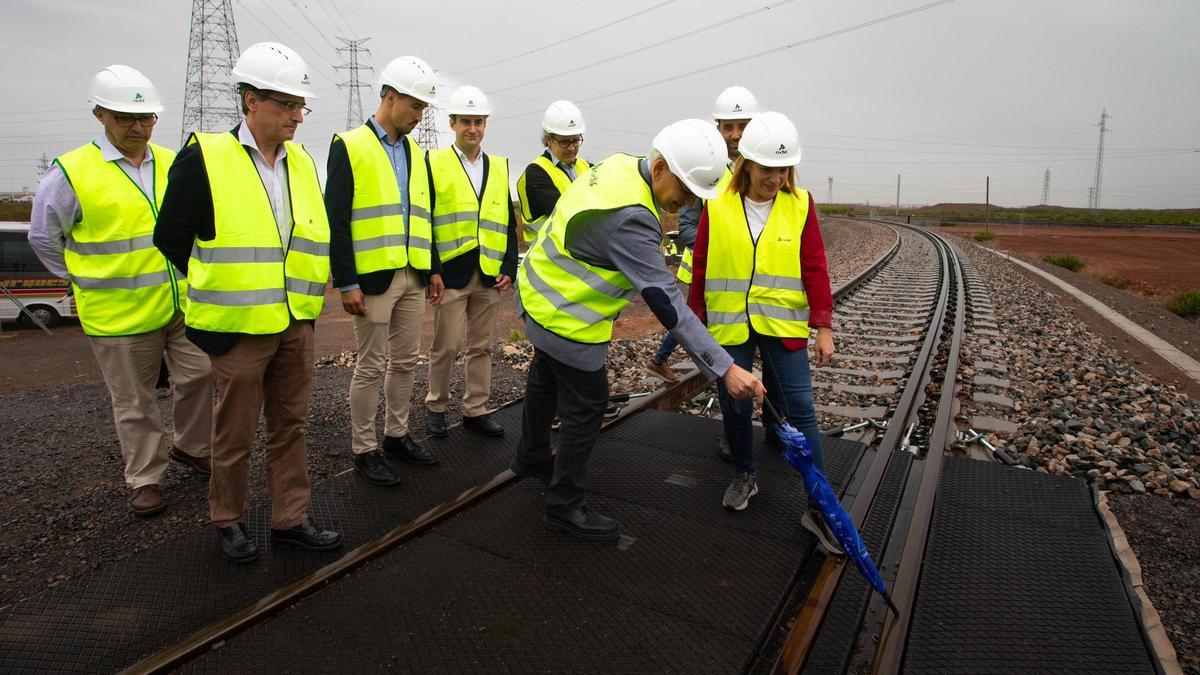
(138, 98)
(433, 90)
(737, 107)
(782, 149)
(471, 102)
(571, 123)
(304, 80)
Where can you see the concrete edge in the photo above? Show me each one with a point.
(1187, 365)
(1156, 633)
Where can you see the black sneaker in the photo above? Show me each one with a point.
(435, 422)
(405, 449)
(484, 424)
(584, 524)
(375, 468)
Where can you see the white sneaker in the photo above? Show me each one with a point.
(814, 522)
(739, 492)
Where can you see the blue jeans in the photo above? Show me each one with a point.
(664, 350)
(786, 377)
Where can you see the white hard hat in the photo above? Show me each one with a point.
(412, 76)
(274, 67)
(124, 89)
(563, 118)
(771, 139)
(735, 103)
(468, 100)
(695, 153)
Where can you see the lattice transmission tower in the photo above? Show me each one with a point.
(210, 97)
(829, 197)
(1095, 200)
(427, 133)
(1046, 187)
(354, 63)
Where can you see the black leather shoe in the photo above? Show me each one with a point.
(483, 424)
(308, 535)
(435, 422)
(236, 544)
(405, 449)
(375, 468)
(584, 524)
(541, 472)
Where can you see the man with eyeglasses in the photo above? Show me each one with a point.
(93, 218)
(549, 175)
(244, 217)
(378, 200)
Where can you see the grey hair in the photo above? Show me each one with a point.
(654, 156)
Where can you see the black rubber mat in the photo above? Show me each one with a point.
(112, 618)
(688, 588)
(1018, 578)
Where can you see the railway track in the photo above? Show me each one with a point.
(201, 641)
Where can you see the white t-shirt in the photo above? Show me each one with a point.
(756, 215)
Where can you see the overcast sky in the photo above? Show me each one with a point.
(944, 96)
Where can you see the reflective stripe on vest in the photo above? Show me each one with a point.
(749, 284)
(563, 294)
(123, 285)
(561, 181)
(243, 281)
(378, 234)
(685, 266)
(463, 221)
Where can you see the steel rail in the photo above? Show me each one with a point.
(803, 634)
(199, 642)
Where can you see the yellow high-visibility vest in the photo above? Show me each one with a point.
(243, 280)
(123, 285)
(463, 221)
(565, 295)
(561, 181)
(755, 284)
(377, 226)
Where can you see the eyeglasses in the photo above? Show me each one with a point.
(290, 106)
(565, 143)
(126, 121)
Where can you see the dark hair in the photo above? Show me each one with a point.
(740, 182)
(242, 89)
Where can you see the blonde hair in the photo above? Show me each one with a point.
(740, 183)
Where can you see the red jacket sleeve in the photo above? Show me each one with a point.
(699, 261)
(814, 270)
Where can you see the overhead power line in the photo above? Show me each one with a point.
(566, 40)
(723, 23)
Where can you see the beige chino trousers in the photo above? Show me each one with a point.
(470, 312)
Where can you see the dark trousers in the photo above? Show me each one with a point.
(578, 398)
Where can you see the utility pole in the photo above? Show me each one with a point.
(987, 201)
(354, 64)
(829, 197)
(897, 194)
(210, 100)
(427, 136)
(1091, 198)
(1095, 199)
(1046, 188)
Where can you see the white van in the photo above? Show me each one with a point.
(24, 277)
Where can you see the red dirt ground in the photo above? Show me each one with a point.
(1160, 263)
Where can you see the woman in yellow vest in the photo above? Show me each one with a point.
(762, 286)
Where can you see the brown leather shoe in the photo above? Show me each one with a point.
(201, 465)
(147, 501)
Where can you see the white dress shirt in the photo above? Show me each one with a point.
(474, 169)
(275, 180)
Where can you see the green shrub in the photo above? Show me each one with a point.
(1186, 304)
(1068, 261)
(516, 336)
(1116, 282)
(986, 235)
(946, 223)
